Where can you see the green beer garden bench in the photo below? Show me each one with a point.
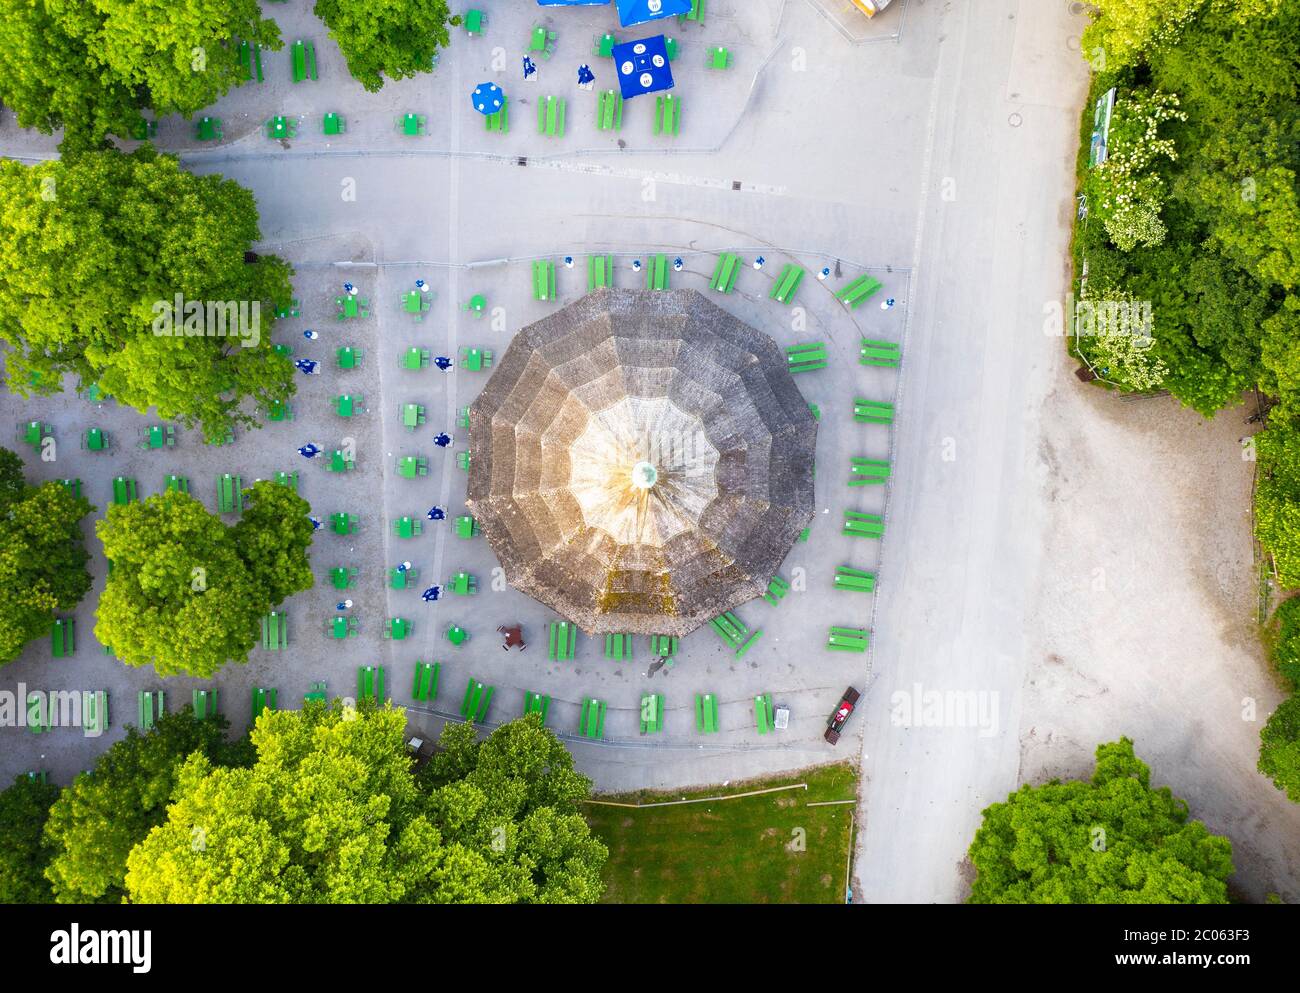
(230, 493)
(664, 645)
(609, 111)
(847, 639)
(854, 580)
(289, 480)
(706, 713)
(275, 631)
(550, 116)
(600, 272)
(879, 353)
(807, 357)
(176, 484)
(339, 462)
(204, 703)
(726, 273)
(370, 683)
(867, 472)
(63, 637)
(95, 440)
(872, 411)
(860, 525)
(696, 13)
(342, 577)
(763, 716)
(668, 114)
(316, 694)
(462, 461)
(787, 284)
(592, 722)
(72, 485)
(304, 60)
(618, 647)
(562, 641)
(652, 713)
(333, 124)
(656, 277)
(734, 632)
(544, 280)
(478, 698)
(348, 357)
(124, 491)
(536, 703)
(150, 706)
(499, 121)
(777, 588)
(95, 717)
(857, 292)
(425, 687)
(397, 629)
(467, 527)
(343, 524)
(263, 699)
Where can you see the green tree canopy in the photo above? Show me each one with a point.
(106, 812)
(42, 556)
(24, 852)
(1279, 754)
(95, 248)
(393, 38)
(187, 592)
(330, 812)
(1112, 839)
(91, 67)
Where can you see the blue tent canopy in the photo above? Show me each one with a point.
(632, 12)
(642, 66)
(572, 3)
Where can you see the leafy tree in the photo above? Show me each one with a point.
(1112, 839)
(272, 537)
(42, 556)
(187, 593)
(330, 812)
(90, 67)
(1279, 753)
(1286, 643)
(95, 248)
(393, 38)
(106, 812)
(24, 852)
(1277, 497)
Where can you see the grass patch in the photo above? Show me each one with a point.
(730, 851)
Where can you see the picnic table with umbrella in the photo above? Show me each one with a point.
(643, 66)
(487, 98)
(457, 635)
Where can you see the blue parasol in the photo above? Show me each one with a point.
(487, 98)
(643, 66)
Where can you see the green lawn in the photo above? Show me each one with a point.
(731, 851)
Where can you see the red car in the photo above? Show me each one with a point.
(841, 716)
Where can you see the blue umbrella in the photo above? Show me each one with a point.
(571, 3)
(487, 98)
(642, 66)
(632, 12)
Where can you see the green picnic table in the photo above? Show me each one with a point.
(618, 647)
(230, 493)
(473, 22)
(604, 47)
(407, 527)
(537, 42)
(289, 479)
(159, 436)
(719, 58)
(474, 707)
(73, 486)
(600, 272)
(348, 306)
(282, 350)
(415, 358)
(726, 273)
(763, 712)
(63, 637)
(858, 291)
(544, 280)
(370, 682)
(476, 359)
(652, 713)
(476, 305)
(807, 356)
(400, 579)
(706, 713)
(410, 466)
(204, 703)
(281, 127)
(342, 523)
(348, 357)
(275, 631)
(124, 491)
(176, 484)
(150, 705)
(847, 639)
(397, 628)
(415, 302)
(33, 432)
(339, 462)
(550, 116)
(94, 713)
(872, 411)
(787, 284)
(696, 13)
(777, 588)
(462, 417)
(341, 577)
(412, 124)
(466, 527)
(463, 584)
(656, 277)
(457, 635)
(345, 404)
(412, 415)
(316, 694)
(860, 525)
(880, 353)
(341, 627)
(425, 686)
(562, 641)
(668, 114)
(278, 410)
(290, 309)
(208, 129)
(867, 472)
(537, 703)
(95, 440)
(854, 580)
(332, 123)
(592, 722)
(263, 699)
(304, 60)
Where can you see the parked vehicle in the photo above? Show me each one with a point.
(871, 7)
(841, 715)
